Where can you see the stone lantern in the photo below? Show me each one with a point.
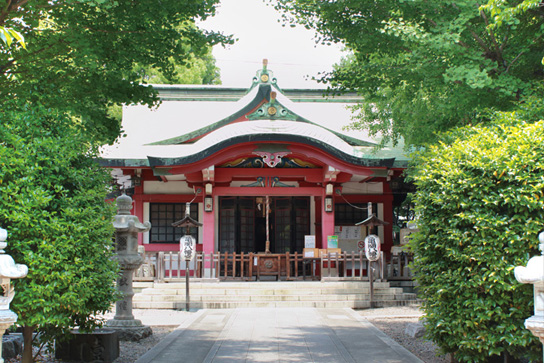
(533, 273)
(127, 228)
(8, 270)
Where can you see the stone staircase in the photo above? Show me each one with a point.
(224, 295)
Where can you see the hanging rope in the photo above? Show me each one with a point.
(351, 205)
(197, 192)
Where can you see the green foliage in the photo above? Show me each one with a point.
(60, 99)
(8, 35)
(81, 56)
(197, 71)
(52, 204)
(480, 203)
(427, 66)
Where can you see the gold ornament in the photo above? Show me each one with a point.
(272, 111)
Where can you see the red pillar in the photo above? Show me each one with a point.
(327, 222)
(208, 232)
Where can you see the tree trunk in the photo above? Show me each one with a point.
(28, 332)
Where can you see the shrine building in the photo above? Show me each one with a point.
(262, 168)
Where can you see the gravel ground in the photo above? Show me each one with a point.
(392, 321)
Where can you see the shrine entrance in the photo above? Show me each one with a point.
(243, 225)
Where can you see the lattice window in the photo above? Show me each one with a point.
(247, 224)
(347, 215)
(162, 215)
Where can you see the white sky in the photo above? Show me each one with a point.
(292, 53)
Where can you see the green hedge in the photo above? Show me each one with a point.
(480, 207)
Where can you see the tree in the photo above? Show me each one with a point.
(58, 99)
(81, 55)
(200, 70)
(427, 66)
(480, 203)
(52, 204)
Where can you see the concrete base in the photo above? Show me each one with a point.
(129, 330)
(134, 334)
(100, 346)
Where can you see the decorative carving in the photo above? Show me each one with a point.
(277, 183)
(272, 111)
(259, 183)
(257, 162)
(268, 264)
(123, 281)
(264, 76)
(271, 158)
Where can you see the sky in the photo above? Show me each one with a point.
(292, 54)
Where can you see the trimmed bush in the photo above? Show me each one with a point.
(480, 207)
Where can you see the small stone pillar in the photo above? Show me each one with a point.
(8, 270)
(127, 228)
(533, 273)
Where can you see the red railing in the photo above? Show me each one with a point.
(170, 266)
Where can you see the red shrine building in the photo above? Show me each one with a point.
(261, 167)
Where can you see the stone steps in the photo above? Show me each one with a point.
(223, 295)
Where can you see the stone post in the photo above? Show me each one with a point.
(8, 270)
(127, 228)
(533, 273)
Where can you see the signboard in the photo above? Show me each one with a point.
(309, 241)
(348, 232)
(372, 247)
(332, 241)
(361, 245)
(187, 247)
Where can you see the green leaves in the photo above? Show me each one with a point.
(7, 35)
(52, 202)
(423, 67)
(84, 56)
(481, 206)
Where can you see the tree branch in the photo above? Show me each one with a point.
(480, 41)
(498, 52)
(514, 61)
(11, 6)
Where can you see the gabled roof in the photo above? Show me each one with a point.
(277, 131)
(254, 106)
(190, 126)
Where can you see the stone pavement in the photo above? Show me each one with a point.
(277, 335)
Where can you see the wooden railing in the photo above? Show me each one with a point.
(170, 266)
(350, 266)
(398, 268)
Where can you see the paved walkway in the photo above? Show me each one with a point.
(277, 335)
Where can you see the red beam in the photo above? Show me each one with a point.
(259, 191)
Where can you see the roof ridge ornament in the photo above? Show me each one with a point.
(264, 76)
(272, 110)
